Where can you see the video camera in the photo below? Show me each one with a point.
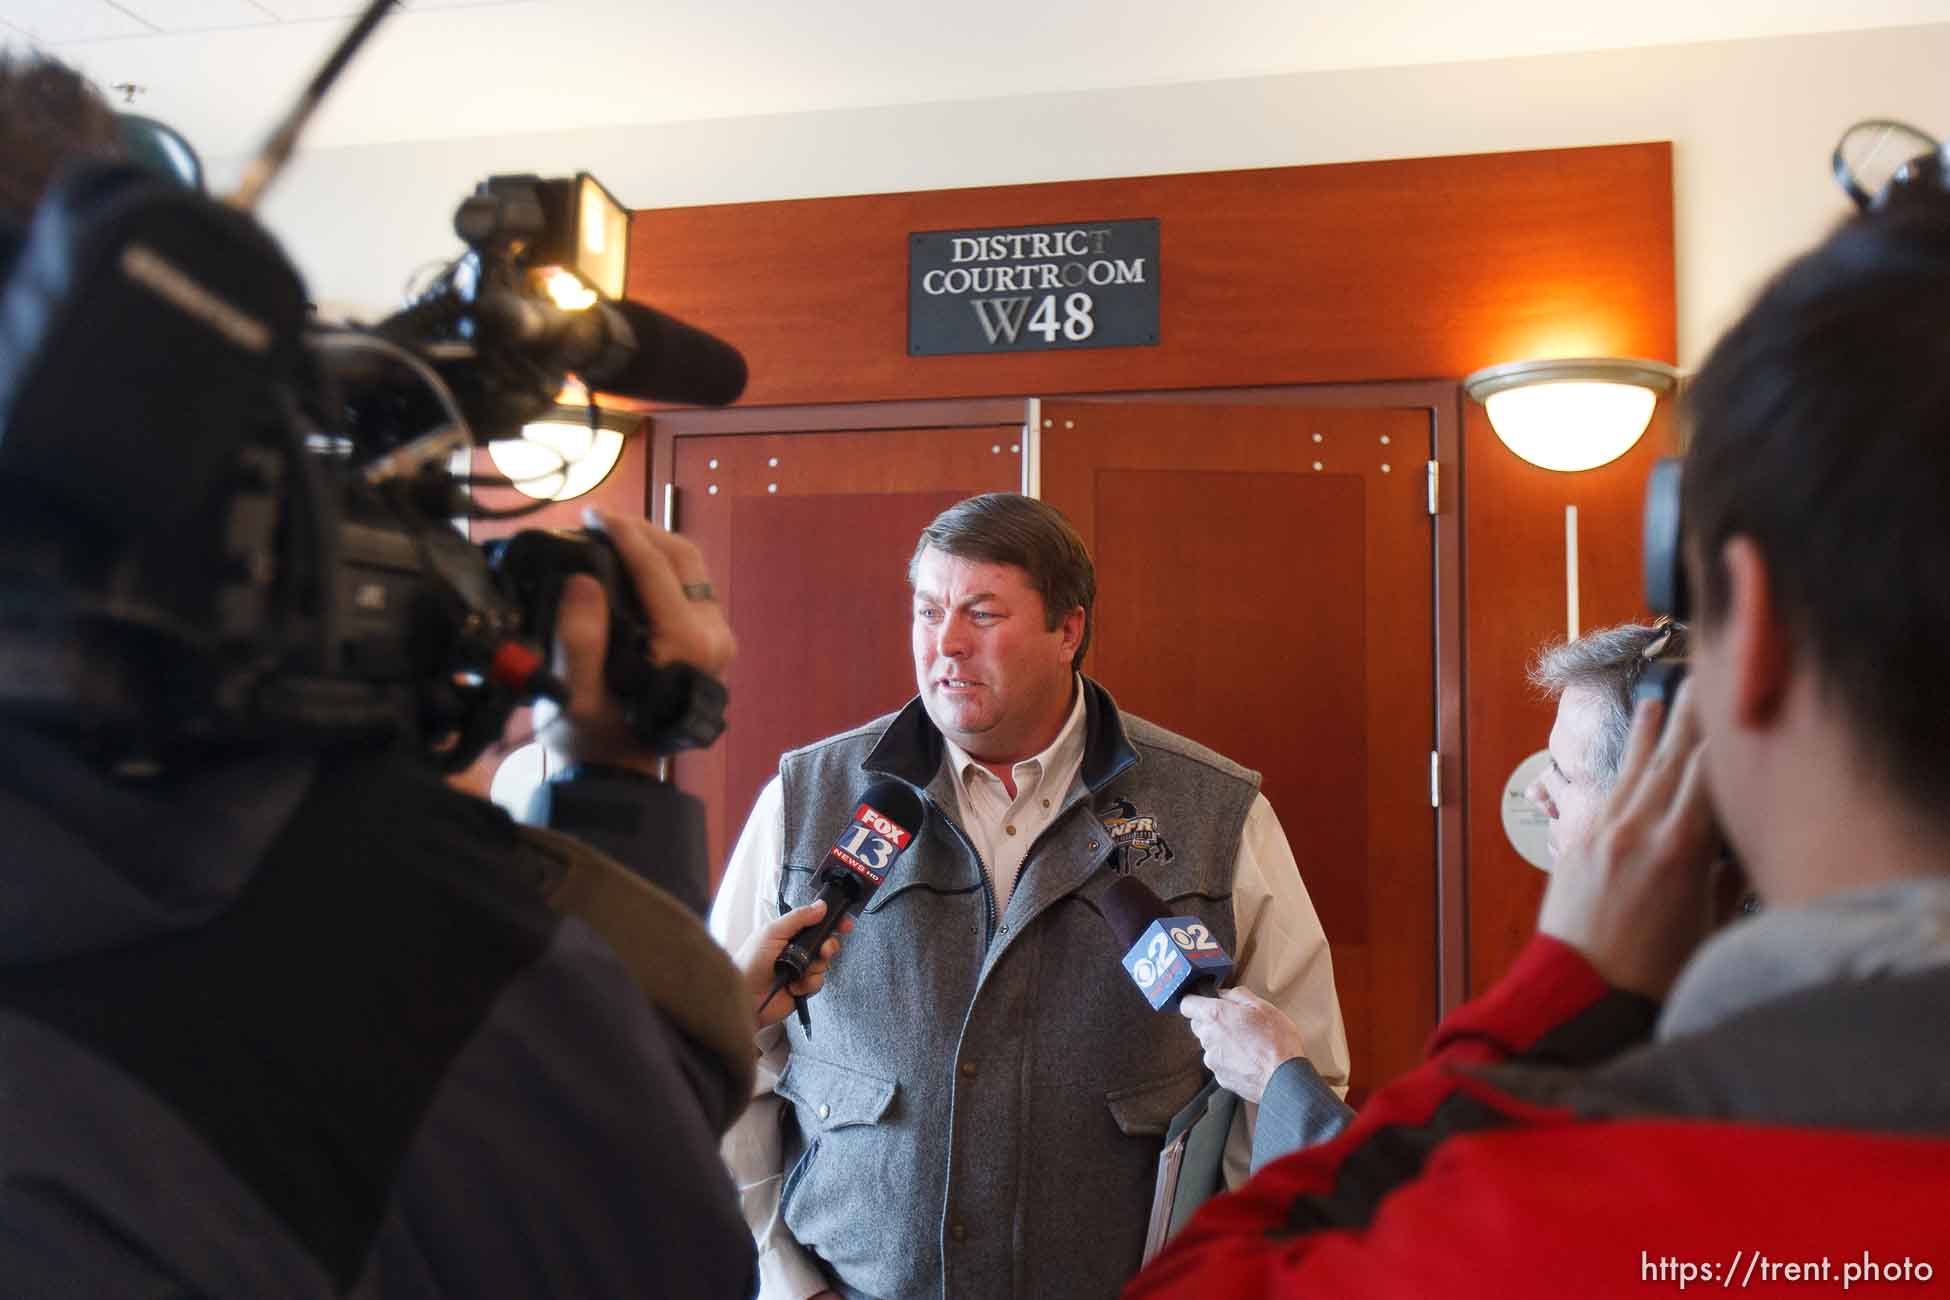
(224, 525)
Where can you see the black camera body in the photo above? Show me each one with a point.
(534, 564)
(228, 527)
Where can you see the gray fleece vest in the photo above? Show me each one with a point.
(979, 1107)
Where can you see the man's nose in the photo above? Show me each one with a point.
(1536, 793)
(952, 639)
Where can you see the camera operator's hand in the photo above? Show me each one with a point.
(1634, 895)
(756, 959)
(687, 628)
(1246, 1038)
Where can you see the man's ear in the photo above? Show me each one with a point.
(1072, 630)
(1759, 656)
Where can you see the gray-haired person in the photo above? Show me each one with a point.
(1255, 1051)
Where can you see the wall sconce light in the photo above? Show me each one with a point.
(560, 456)
(1572, 414)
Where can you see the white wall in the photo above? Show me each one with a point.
(1752, 123)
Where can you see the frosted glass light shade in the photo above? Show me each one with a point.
(1573, 414)
(556, 460)
(1571, 426)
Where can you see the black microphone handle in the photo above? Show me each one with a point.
(839, 891)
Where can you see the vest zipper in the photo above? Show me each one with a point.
(988, 881)
(1027, 853)
(981, 864)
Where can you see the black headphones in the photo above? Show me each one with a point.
(153, 146)
(161, 149)
(1883, 161)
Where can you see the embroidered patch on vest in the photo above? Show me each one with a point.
(1135, 836)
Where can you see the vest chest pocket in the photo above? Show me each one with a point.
(838, 1109)
(830, 1096)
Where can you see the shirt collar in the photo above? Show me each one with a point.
(1065, 753)
(911, 749)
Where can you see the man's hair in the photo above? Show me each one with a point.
(1008, 528)
(1821, 430)
(1609, 664)
(49, 115)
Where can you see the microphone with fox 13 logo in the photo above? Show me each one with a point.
(1166, 956)
(886, 817)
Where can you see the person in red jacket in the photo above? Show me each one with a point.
(1642, 1102)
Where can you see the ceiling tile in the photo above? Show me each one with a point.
(299, 10)
(58, 22)
(451, 68)
(302, 9)
(465, 4)
(198, 15)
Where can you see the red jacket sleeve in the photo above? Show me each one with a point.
(1296, 1214)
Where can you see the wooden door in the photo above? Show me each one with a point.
(808, 536)
(1265, 587)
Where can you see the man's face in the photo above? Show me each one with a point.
(993, 676)
(1568, 791)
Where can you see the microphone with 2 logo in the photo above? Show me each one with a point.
(1166, 956)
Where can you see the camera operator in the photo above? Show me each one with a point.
(298, 1021)
(1637, 1103)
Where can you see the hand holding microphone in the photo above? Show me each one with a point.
(1245, 1037)
(1175, 959)
(757, 960)
(886, 818)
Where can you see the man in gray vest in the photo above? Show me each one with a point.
(975, 1105)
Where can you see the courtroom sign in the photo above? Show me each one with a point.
(1081, 284)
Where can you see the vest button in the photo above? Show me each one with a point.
(825, 1111)
(958, 1232)
(968, 1068)
(1093, 846)
(1010, 829)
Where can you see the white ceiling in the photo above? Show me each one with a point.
(222, 71)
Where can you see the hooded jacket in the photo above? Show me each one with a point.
(303, 1027)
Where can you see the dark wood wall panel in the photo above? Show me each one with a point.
(1264, 588)
(1200, 644)
(791, 689)
(1362, 271)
